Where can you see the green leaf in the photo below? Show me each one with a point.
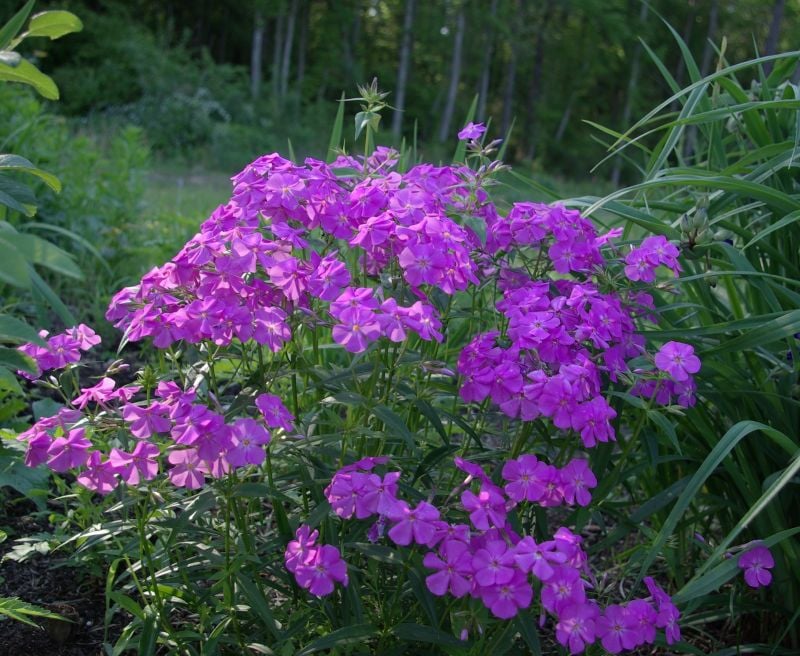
(148, 640)
(12, 27)
(17, 163)
(336, 131)
(22, 612)
(478, 226)
(52, 298)
(14, 268)
(348, 635)
(8, 381)
(53, 24)
(13, 359)
(772, 331)
(17, 196)
(394, 423)
(15, 474)
(12, 329)
(428, 635)
(42, 252)
(26, 73)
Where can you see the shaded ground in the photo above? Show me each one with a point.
(46, 582)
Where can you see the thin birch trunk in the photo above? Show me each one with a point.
(256, 54)
(402, 72)
(455, 75)
(287, 50)
(486, 65)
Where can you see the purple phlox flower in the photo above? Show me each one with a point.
(85, 336)
(756, 563)
(298, 550)
(102, 392)
(487, 508)
(668, 613)
(678, 360)
(141, 465)
(144, 421)
(99, 476)
(617, 629)
(423, 319)
(538, 559)
(576, 480)
(275, 414)
(494, 563)
(344, 490)
(507, 381)
(187, 469)
(576, 626)
(415, 525)
(249, 438)
(322, 569)
(37, 450)
(423, 264)
(563, 588)
(471, 131)
(329, 277)
(454, 565)
(557, 401)
(505, 600)
(592, 420)
(527, 478)
(269, 327)
(358, 328)
(378, 495)
(69, 452)
(290, 276)
(644, 617)
(391, 320)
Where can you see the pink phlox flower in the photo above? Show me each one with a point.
(505, 600)
(378, 495)
(494, 563)
(557, 401)
(141, 465)
(322, 570)
(275, 413)
(678, 360)
(563, 588)
(577, 479)
(298, 550)
(144, 421)
(269, 327)
(454, 565)
(415, 525)
(576, 626)
(187, 469)
(357, 330)
(249, 438)
(487, 508)
(756, 563)
(423, 319)
(84, 336)
(527, 478)
(592, 420)
(69, 452)
(617, 629)
(329, 277)
(102, 392)
(538, 559)
(344, 490)
(471, 131)
(99, 476)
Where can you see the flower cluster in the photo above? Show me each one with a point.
(485, 559)
(259, 258)
(61, 350)
(641, 263)
(194, 440)
(315, 567)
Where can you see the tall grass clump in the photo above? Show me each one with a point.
(720, 175)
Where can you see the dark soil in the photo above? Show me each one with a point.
(45, 581)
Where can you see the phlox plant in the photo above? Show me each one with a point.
(382, 412)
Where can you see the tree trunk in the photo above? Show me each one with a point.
(535, 91)
(771, 46)
(708, 51)
(511, 74)
(402, 72)
(287, 50)
(631, 92)
(256, 54)
(277, 49)
(455, 75)
(302, 46)
(486, 65)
